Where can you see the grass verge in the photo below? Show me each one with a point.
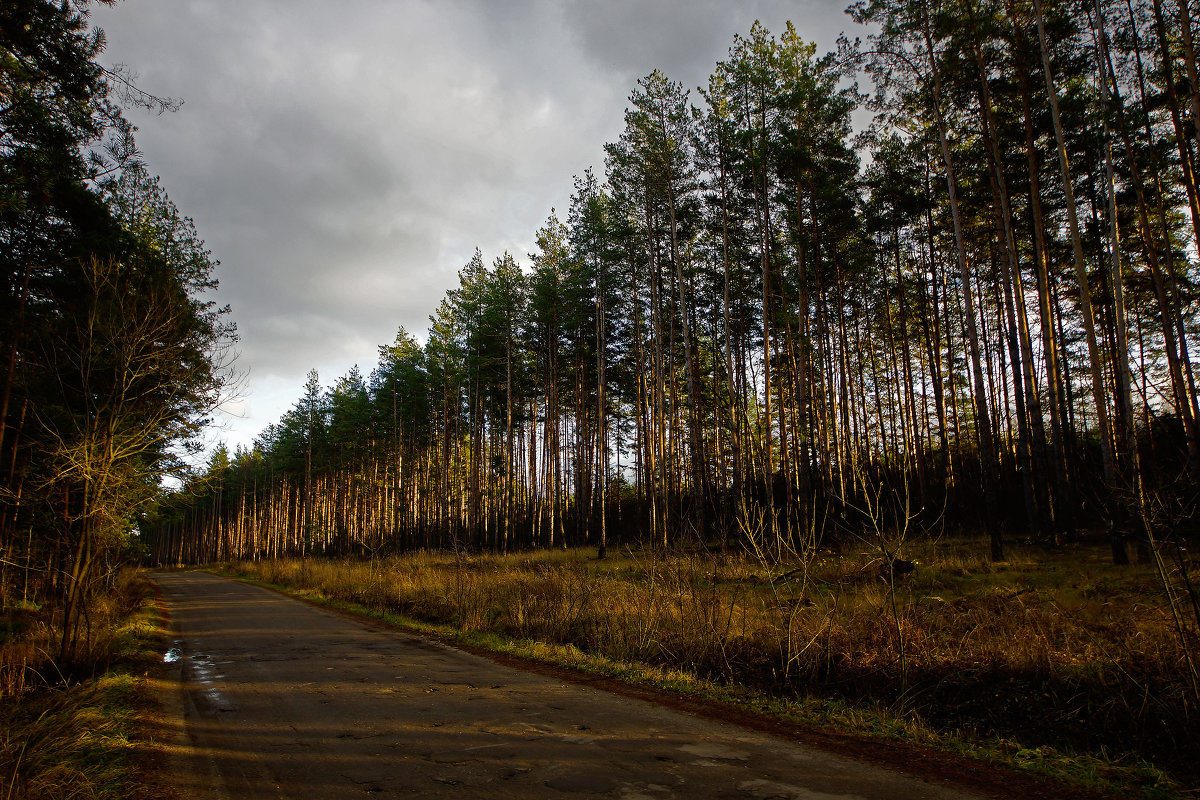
(84, 738)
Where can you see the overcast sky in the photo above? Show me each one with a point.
(343, 160)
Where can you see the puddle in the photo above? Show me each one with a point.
(203, 670)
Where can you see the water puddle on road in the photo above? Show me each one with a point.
(202, 670)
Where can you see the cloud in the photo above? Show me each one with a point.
(630, 38)
(344, 160)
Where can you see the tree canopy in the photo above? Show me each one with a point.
(114, 352)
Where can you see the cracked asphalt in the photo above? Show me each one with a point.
(272, 697)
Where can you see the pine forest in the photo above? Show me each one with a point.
(762, 327)
(860, 380)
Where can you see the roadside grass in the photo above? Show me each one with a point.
(1054, 663)
(78, 735)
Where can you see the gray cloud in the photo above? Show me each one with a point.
(344, 160)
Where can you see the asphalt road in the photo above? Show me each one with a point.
(278, 698)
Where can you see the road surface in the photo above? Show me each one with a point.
(278, 698)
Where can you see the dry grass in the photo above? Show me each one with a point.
(66, 735)
(1048, 650)
(30, 636)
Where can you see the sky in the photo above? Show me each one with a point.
(344, 160)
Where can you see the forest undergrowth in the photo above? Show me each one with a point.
(75, 734)
(1055, 661)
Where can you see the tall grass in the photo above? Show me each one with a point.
(30, 635)
(1045, 650)
(69, 733)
